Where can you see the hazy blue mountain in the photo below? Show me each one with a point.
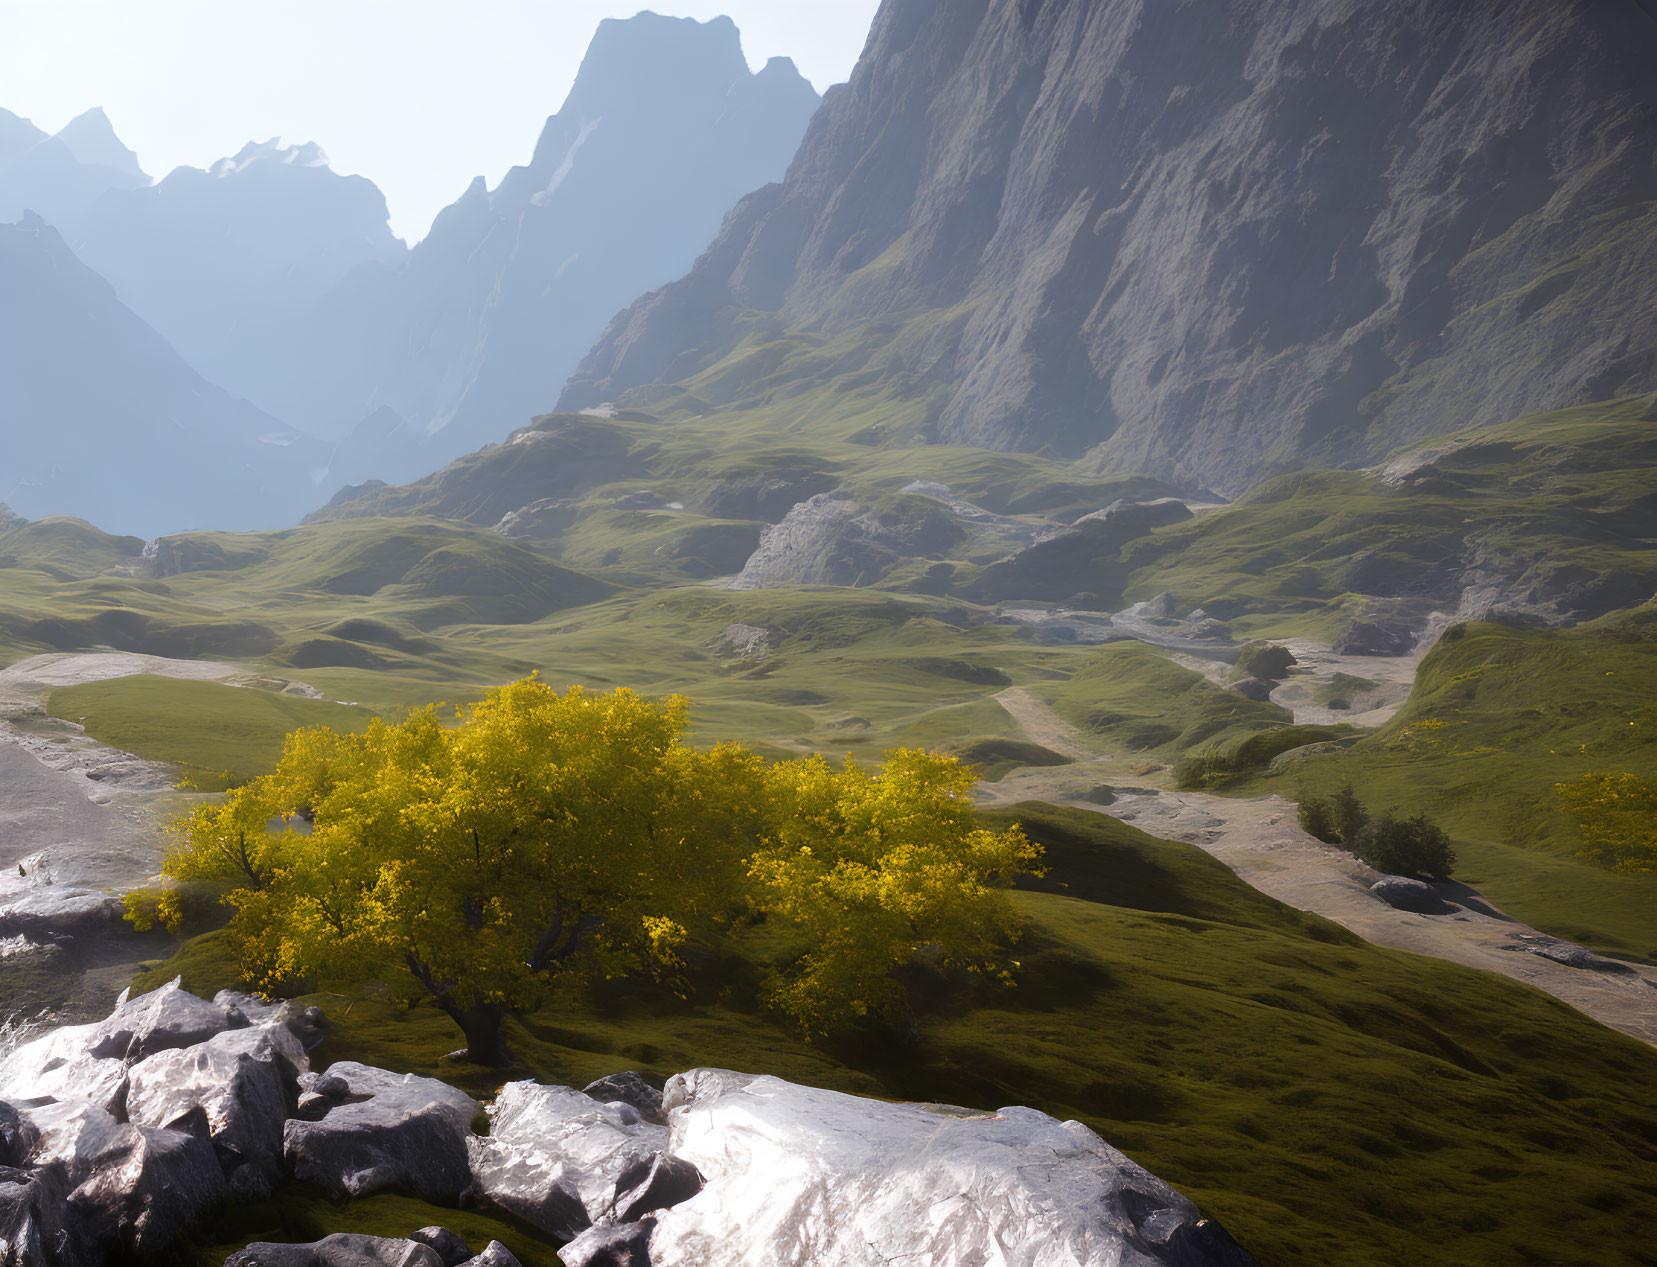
(1206, 241)
(101, 418)
(663, 131)
(226, 263)
(61, 175)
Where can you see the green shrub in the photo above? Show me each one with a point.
(1406, 846)
(1317, 819)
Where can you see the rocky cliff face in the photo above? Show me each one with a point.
(663, 130)
(1207, 241)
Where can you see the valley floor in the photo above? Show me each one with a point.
(1262, 842)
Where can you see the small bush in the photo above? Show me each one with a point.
(1265, 660)
(1406, 846)
(1337, 820)
(1349, 814)
(1317, 819)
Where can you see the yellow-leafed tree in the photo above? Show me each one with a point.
(553, 833)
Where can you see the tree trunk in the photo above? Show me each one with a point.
(482, 1026)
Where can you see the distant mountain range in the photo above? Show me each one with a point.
(279, 282)
(1206, 241)
(104, 420)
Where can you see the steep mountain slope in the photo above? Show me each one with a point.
(101, 418)
(663, 130)
(61, 175)
(1206, 241)
(226, 263)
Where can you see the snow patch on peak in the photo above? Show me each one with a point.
(588, 127)
(310, 154)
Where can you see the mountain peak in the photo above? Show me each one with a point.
(648, 53)
(17, 134)
(91, 138)
(310, 154)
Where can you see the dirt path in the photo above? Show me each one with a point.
(80, 822)
(1262, 842)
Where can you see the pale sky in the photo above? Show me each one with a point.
(417, 95)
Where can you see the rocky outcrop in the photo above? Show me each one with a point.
(362, 1130)
(1204, 241)
(1406, 894)
(831, 539)
(549, 1144)
(846, 1180)
(747, 1169)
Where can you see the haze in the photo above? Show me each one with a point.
(417, 95)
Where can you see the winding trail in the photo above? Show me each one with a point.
(1261, 840)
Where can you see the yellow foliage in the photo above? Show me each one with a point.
(1617, 817)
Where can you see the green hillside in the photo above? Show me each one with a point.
(1330, 1101)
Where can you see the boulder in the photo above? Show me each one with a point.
(77, 1135)
(494, 1255)
(1378, 637)
(859, 1182)
(244, 1080)
(611, 1245)
(629, 1088)
(55, 1066)
(372, 1130)
(142, 1197)
(654, 1184)
(449, 1246)
(307, 1024)
(34, 1219)
(343, 1249)
(547, 1144)
(1257, 689)
(1405, 894)
(158, 1021)
(1571, 955)
(18, 1135)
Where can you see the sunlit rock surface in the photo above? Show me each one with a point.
(801, 1175)
(375, 1130)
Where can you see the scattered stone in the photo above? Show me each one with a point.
(629, 1088)
(611, 1245)
(343, 1249)
(55, 1066)
(844, 1178)
(1404, 894)
(377, 1130)
(1570, 954)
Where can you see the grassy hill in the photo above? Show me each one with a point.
(1330, 1101)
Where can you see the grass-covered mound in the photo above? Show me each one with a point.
(1498, 716)
(213, 732)
(1330, 1101)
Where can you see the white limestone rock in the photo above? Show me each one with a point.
(371, 1130)
(548, 1143)
(246, 1082)
(861, 1183)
